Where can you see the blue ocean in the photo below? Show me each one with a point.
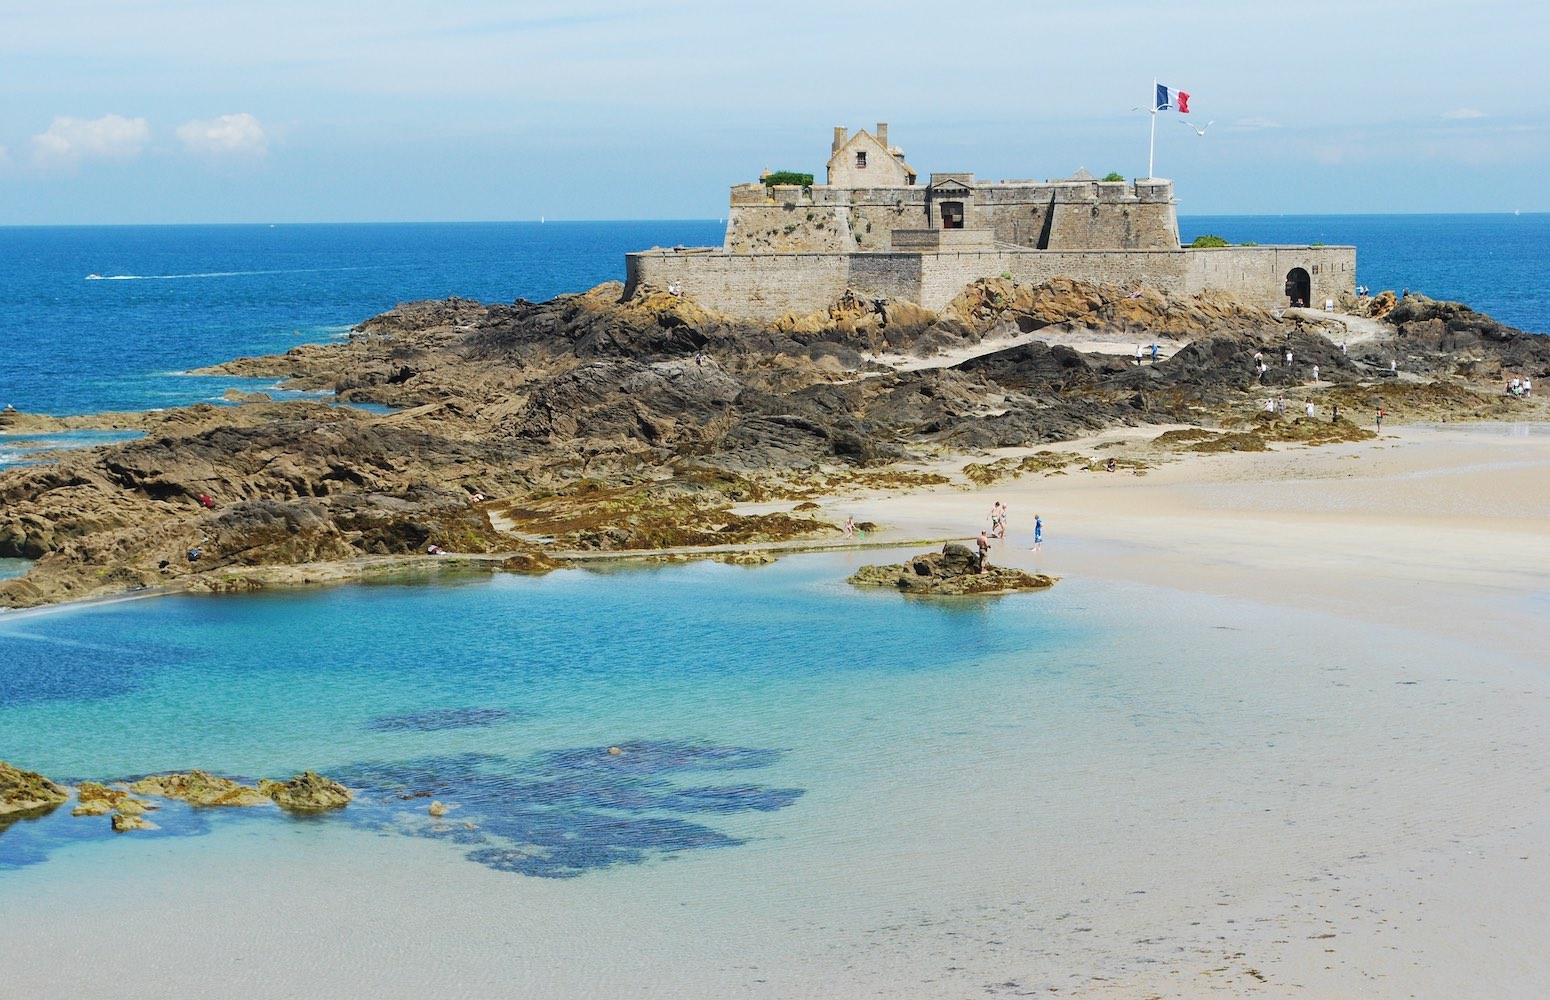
(797, 760)
(108, 318)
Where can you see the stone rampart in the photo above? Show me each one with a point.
(1052, 215)
(1259, 275)
(765, 286)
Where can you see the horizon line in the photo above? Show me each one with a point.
(721, 220)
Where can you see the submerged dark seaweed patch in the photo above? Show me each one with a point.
(555, 814)
(562, 813)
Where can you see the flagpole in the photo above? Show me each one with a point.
(1151, 147)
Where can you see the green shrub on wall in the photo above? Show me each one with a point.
(1113, 175)
(787, 177)
(1208, 241)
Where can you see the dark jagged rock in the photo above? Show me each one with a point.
(1451, 329)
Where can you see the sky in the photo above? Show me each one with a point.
(191, 111)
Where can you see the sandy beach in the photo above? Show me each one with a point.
(1438, 532)
(1406, 581)
(1433, 528)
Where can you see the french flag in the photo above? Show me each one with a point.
(1181, 99)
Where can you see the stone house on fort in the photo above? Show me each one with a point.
(874, 230)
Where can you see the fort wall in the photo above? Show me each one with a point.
(1050, 215)
(765, 286)
(1258, 275)
(874, 231)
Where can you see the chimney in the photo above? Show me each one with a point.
(839, 138)
(882, 134)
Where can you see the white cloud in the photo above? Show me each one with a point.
(71, 140)
(1256, 123)
(229, 135)
(1462, 114)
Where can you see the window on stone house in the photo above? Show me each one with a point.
(861, 160)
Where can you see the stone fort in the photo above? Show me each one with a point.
(872, 229)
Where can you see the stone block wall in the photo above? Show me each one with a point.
(943, 239)
(1105, 216)
(1257, 275)
(766, 286)
(1053, 215)
(754, 286)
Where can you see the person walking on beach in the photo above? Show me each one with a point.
(1038, 532)
(1380, 419)
(984, 546)
(850, 527)
(1138, 355)
(995, 516)
(1000, 530)
(1315, 373)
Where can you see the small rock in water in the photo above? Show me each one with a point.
(96, 799)
(614, 751)
(437, 809)
(122, 823)
(306, 792)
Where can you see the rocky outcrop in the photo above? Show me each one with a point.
(594, 423)
(306, 792)
(95, 799)
(956, 571)
(199, 788)
(27, 793)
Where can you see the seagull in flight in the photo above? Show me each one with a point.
(1202, 129)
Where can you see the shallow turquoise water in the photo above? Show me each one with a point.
(731, 692)
(824, 791)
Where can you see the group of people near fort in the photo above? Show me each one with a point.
(1260, 368)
